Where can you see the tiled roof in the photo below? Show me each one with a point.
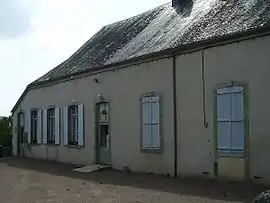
(164, 28)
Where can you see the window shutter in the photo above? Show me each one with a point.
(146, 136)
(223, 118)
(29, 128)
(237, 125)
(155, 116)
(146, 123)
(81, 125)
(65, 125)
(39, 125)
(45, 126)
(57, 125)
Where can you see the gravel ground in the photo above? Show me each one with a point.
(26, 180)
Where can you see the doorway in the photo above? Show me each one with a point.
(103, 134)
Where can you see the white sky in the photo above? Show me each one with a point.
(37, 35)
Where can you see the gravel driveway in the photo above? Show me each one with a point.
(26, 180)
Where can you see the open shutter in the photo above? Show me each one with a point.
(223, 119)
(57, 125)
(39, 126)
(65, 125)
(45, 126)
(146, 123)
(81, 125)
(29, 127)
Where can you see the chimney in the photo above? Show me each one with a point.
(179, 4)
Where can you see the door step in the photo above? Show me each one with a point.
(91, 168)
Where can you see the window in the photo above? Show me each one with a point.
(51, 126)
(230, 120)
(73, 125)
(150, 123)
(34, 126)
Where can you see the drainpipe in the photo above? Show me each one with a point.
(205, 123)
(175, 116)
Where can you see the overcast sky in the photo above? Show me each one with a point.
(37, 35)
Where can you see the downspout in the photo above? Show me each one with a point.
(175, 117)
(205, 124)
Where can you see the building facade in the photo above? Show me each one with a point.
(201, 111)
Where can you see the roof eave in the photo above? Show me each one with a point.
(258, 32)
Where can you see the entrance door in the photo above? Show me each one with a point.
(103, 134)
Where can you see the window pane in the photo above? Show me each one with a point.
(155, 112)
(146, 136)
(75, 128)
(155, 136)
(237, 107)
(224, 135)
(237, 135)
(104, 112)
(146, 113)
(223, 107)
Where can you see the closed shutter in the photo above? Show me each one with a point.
(39, 127)
(151, 122)
(81, 125)
(237, 119)
(29, 127)
(57, 125)
(45, 135)
(155, 117)
(65, 125)
(230, 118)
(223, 119)
(146, 123)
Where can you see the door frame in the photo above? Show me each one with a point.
(97, 136)
(245, 87)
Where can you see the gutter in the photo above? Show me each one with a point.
(215, 41)
(175, 132)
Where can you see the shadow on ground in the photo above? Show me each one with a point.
(213, 189)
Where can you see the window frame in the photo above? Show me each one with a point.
(233, 153)
(73, 143)
(35, 142)
(151, 149)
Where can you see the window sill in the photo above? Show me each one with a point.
(34, 144)
(75, 146)
(52, 145)
(156, 151)
(239, 154)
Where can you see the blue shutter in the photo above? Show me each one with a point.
(81, 125)
(223, 118)
(155, 117)
(65, 125)
(237, 118)
(45, 126)
(146, 123)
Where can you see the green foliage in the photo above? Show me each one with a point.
(5, 137)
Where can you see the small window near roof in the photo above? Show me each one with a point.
(150, 123)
